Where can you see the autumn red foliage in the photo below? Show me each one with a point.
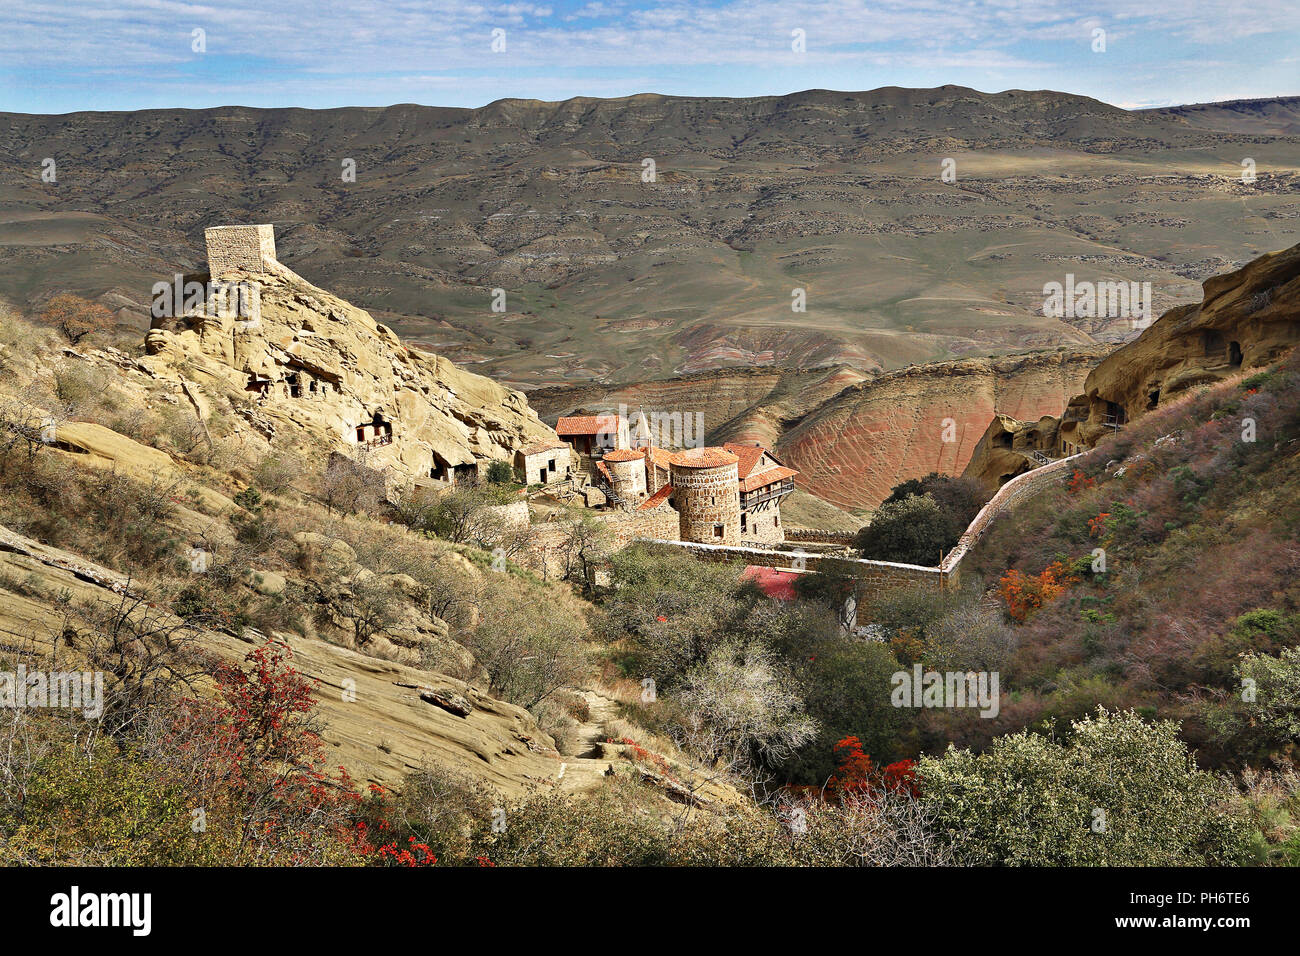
(1097, 525)
(259, 765)
(857, 774)
(1023, 594)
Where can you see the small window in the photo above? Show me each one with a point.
(776, 522)
(744, 523)
(717, 531)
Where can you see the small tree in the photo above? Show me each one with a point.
(1274, 705)
(1024, 594)
(500, 473)
(349, 485)
(276, 472)
(461, 515)
(585, 545)
(911, 531)
(29, 419)
(958, 498)
(740, 711)
(527, 656)
(76, 317)
(370, 607)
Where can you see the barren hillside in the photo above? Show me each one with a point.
(610, 277)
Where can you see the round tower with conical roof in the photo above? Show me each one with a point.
(626, 474)
(706, 491)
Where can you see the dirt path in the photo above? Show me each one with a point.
(592, 731)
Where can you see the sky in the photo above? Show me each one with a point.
(58, 56)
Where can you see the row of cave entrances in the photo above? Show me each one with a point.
(444, 470)
(261, 385)
(1213, 344)
(377, 431)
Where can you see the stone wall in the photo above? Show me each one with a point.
(515, 513)
(660, 523)
(874, 576)
(878, 576)
(762, 526)
(816, 536)
(251, 248)
(547, 542)
(1017, 489)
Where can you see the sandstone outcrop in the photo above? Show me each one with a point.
(380, 728)
(1009, 448)
(310, 370)
(1245, 320)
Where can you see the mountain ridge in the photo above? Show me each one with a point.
(611, 277)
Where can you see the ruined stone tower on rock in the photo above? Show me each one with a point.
(250, 248)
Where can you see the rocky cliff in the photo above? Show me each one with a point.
(1009, 448)
(313, 370)
(1245, 319)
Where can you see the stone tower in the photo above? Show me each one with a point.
(626, 473)
(251, 248)
(706, 490)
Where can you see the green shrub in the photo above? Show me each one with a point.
(1119, 792)
(911, 531)
(500, 473)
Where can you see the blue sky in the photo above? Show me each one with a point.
(58, 56)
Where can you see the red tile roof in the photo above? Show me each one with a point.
(712, 457)
(537, 447)
(774, 582)
(765, 478)
(749, 455)
(654, 500)
(661, 457)
(623, 454)
(587, 424)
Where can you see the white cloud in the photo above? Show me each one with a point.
(367, 40)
